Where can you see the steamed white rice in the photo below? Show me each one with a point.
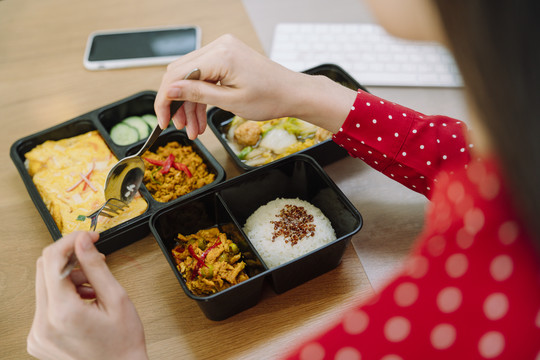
(278, 249)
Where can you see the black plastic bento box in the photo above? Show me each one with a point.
(102, 120)
(229, 204)
(324, 152)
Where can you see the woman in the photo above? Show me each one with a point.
(470, 287)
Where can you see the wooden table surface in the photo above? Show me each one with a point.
(43, 83)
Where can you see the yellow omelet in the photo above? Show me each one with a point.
(58, 168)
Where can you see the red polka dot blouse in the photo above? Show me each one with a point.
(470, 288)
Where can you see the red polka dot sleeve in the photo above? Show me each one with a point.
(403, 144)
(470, 288)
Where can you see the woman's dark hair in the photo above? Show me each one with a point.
(496, 44)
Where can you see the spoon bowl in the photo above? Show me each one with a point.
(125, 177)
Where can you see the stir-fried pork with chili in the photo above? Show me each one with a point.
(174, 170)
(209, 262)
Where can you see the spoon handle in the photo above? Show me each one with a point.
(175, 105)
(150, 141)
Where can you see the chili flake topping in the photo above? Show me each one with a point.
(294, 224)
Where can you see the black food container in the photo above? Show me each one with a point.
(102, 120)
(229, 204)
(324, 153)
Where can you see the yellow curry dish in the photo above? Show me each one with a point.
(260, 142)
(209, 261)
(174, 170)
(70, 176)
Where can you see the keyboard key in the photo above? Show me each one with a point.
(367, 52)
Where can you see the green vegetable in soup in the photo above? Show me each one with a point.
(242, 154)
(293, 126)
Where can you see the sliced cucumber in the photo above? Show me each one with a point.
(150, 119)
(139, 124)
(123, 134)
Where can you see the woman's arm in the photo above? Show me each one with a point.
(238, 79)
(405, 145)
(408, 146)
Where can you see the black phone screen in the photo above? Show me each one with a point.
(143, 44)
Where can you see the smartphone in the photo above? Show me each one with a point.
(139, 47)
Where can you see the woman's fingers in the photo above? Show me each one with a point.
(55, 258)
(192, 124)
(233, 77)
(206, 60)
(190, 91)
(166, 94)
(96, 270)
(41, 291)
(86, 292)
(78, 277)
(52, 291)
(201, 117)
(179, 118)
(191, 116)
(65, 325)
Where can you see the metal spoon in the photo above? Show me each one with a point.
(125, 178)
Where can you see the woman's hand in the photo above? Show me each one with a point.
(238, 79)
(86, 315)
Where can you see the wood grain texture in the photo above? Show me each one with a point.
(43, 83)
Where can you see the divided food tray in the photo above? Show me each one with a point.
(224, 203)
(324, 152)
(102, 120)
(228, 205)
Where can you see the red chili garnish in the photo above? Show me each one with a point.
(200, 260)
(205, 253)
(71, 188)
(182, 167)
(178, 250)
(154, 162)
(168, 163)
(85, 179)
(88, 177)
(192, 252)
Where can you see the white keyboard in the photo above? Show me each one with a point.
(367, 52)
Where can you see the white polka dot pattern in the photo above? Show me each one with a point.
(397, 329)
(463, 239)
(391, 357)
(474, 220)
(348, 353)
(417, 267)
(501, 267)
(491, 344)
(355, 322)
(496, 306)
(312, 351)
(470, 287)
(436, 245)
(384, 130)
(449, 299)
(406, 294)
(508, 232)
(456, 265)
(443, 336)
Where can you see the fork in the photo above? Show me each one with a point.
(110, 208)
(115, 182)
